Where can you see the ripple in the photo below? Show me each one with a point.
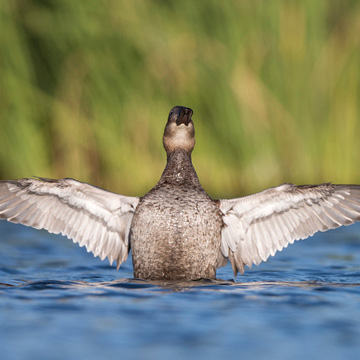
(201, 284)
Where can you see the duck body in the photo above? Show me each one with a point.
(176, 228)
(176, 231)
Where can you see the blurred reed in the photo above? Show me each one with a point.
(86, 87)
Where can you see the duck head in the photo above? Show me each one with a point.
(179, 131)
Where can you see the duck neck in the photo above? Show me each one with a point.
(179, 169)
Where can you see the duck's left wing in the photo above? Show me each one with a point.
(258, 225)
(95, 218)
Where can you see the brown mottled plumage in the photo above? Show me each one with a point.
(176, 227)
(176, 231)
(185, 245)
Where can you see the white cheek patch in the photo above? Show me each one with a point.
(181, 137)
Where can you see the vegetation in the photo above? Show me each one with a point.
(86, 86)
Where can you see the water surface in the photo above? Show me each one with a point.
(58, 302)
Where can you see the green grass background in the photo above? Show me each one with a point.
(86, 87)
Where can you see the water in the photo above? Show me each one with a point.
(58, 302)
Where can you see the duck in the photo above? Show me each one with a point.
(177, 231)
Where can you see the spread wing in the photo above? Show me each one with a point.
(95, 218)
(258, 225)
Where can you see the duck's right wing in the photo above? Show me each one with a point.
(95, 218)
(258, 225)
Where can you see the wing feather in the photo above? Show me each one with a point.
(257, 226)
(92, 217)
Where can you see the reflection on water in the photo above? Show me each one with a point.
(57, 301)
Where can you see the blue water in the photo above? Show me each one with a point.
(58, 302)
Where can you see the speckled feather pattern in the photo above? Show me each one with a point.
(187, 244)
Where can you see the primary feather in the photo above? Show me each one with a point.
(258, 225)
(95, 218)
